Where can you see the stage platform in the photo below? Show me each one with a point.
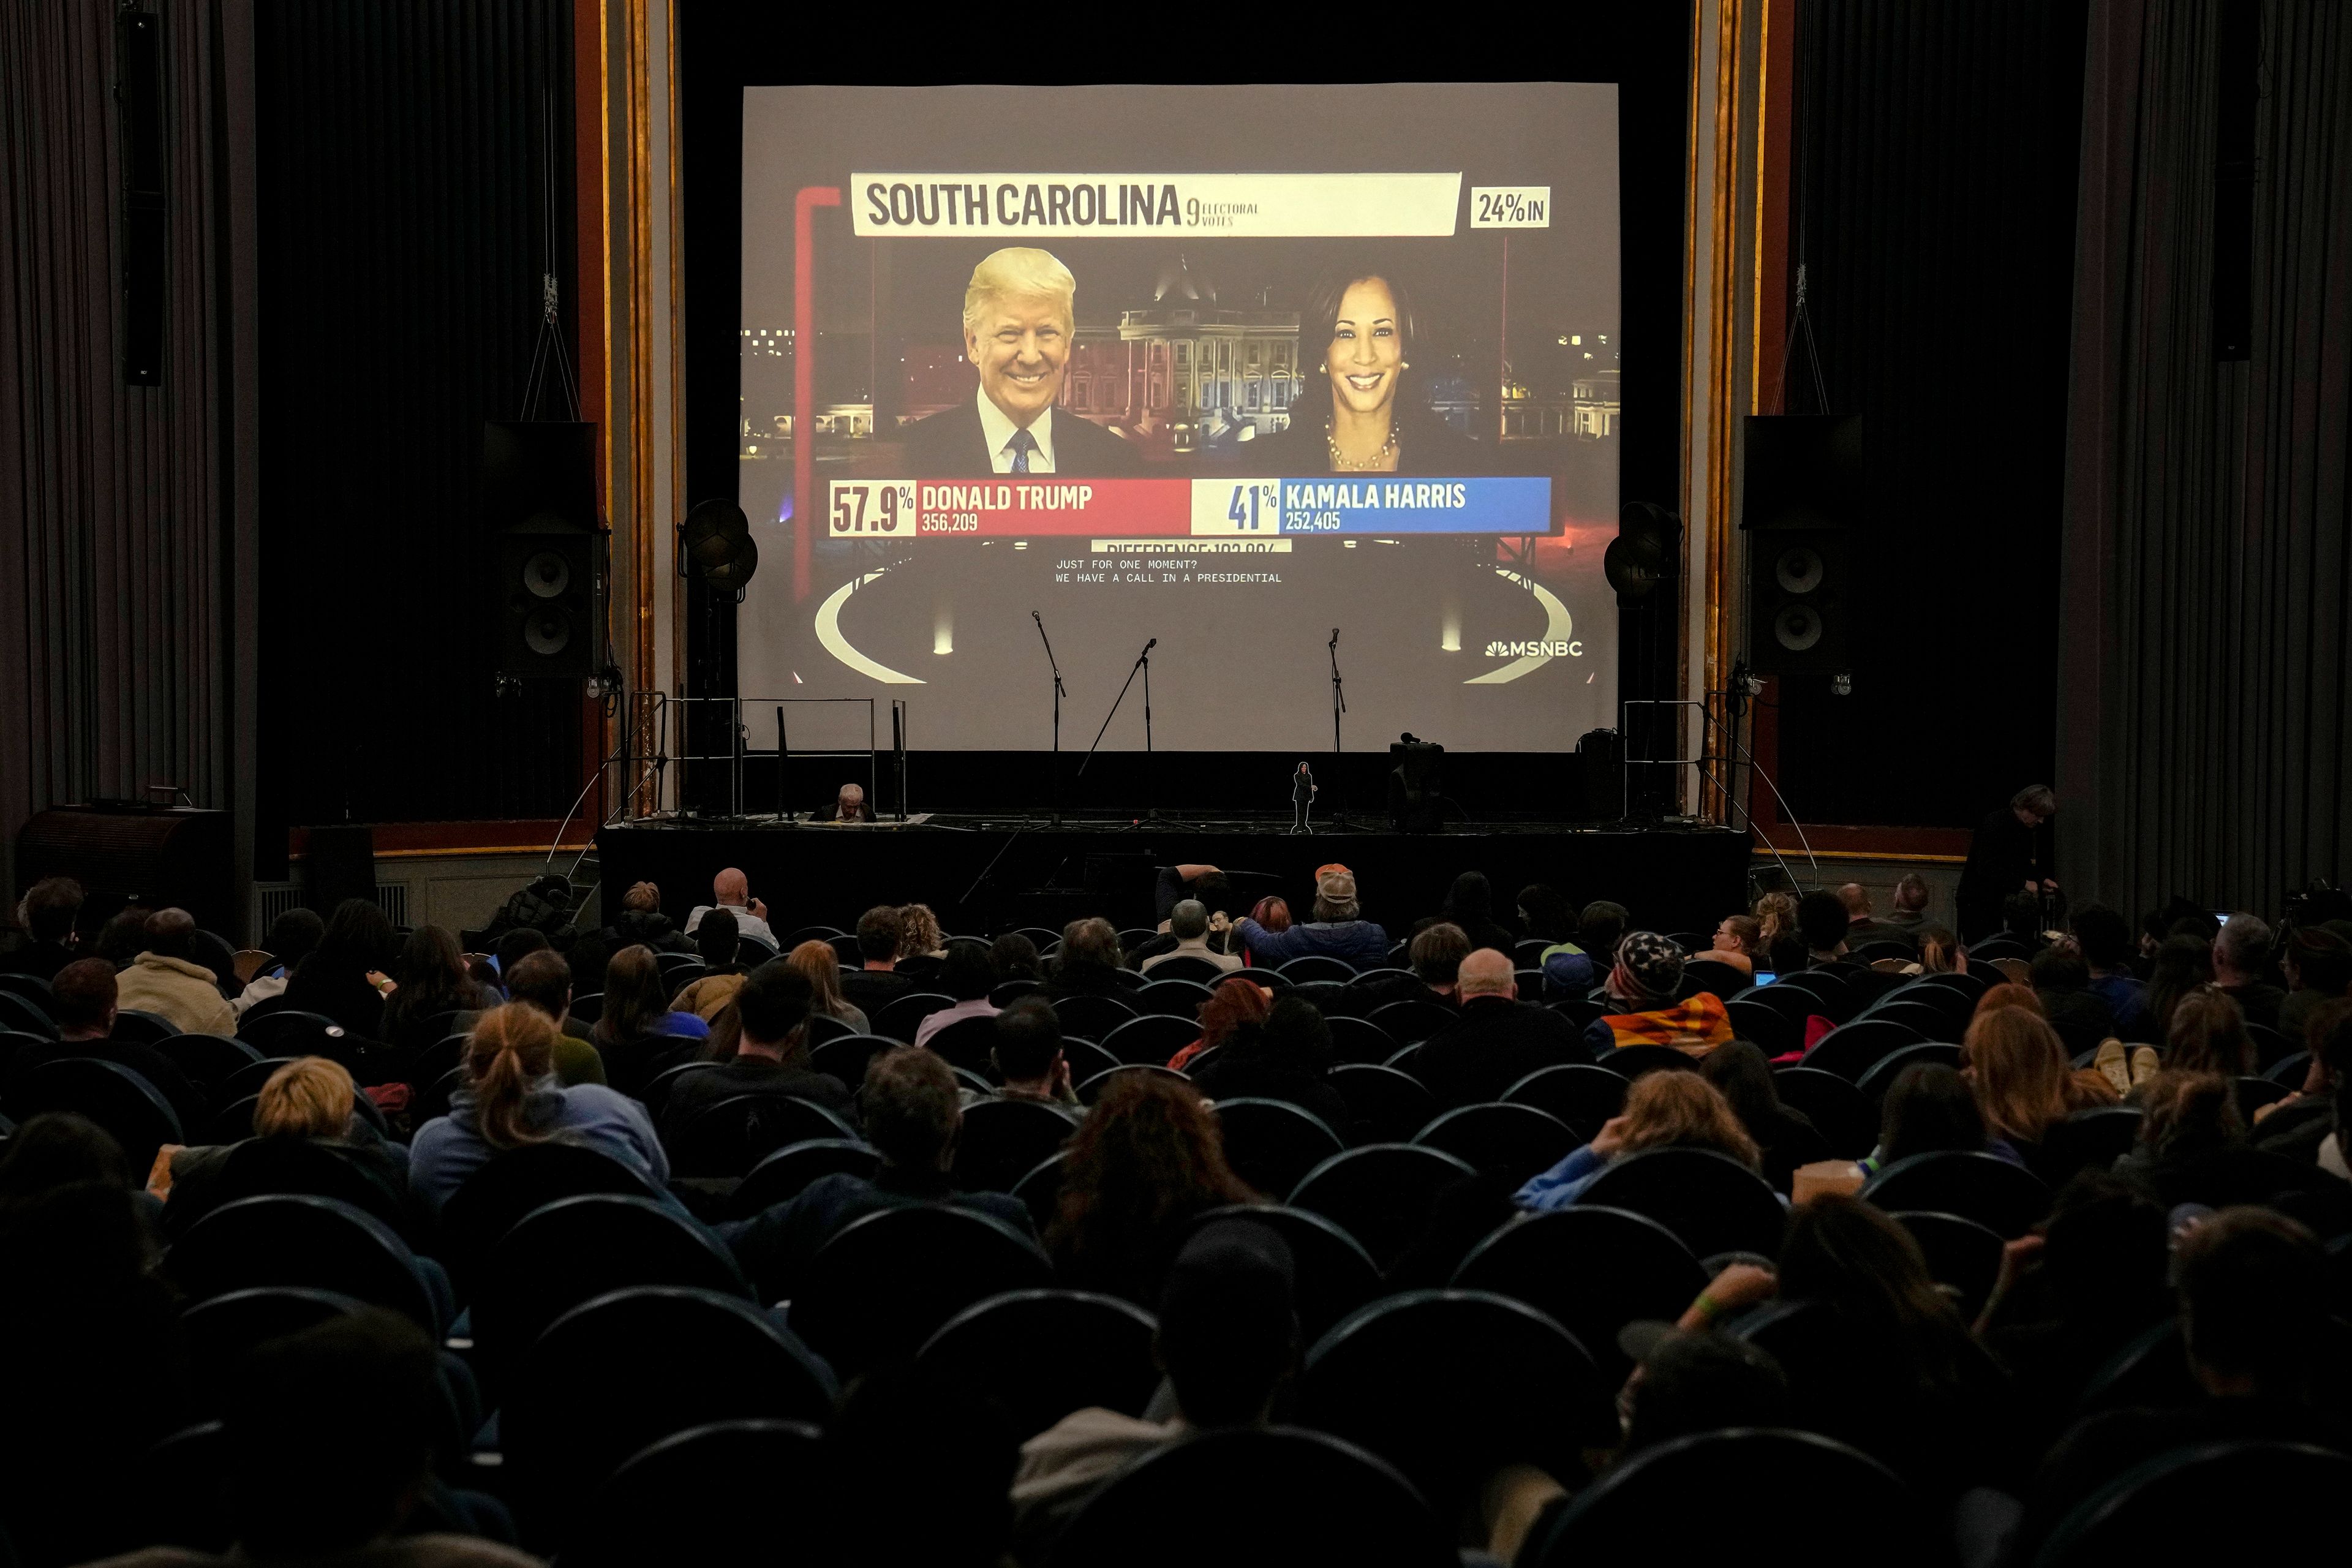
(983, 874)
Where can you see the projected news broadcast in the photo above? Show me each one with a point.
(1225, 370)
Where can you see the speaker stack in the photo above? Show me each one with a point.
(539, 486)
(1800, 496)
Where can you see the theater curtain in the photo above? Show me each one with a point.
(117, 553)
(2205, 722)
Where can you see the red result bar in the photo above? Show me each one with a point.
(1010, 506)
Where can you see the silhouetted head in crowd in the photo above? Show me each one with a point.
(82, 999)
(1028, 1042)
(919, 932)
(1146, 1160)
(1690, 1383)
(588, 956)
(1744, 1077)
(899, 1422)
(2243, 951)
(309, 1097)
(1544, 914)
(170, 933)
(295, 935)
(911, 1108)
(431, 969)
(819, 963)
(730, 890)
(519, 944)
(1189, 921)
(358, 938)
(291, 1495)
(1470, 904)
(877, 936)
(2182, 964)
(2058, 970)
(965, 974)
(1856, 900)
(772, 1011)
(2104, 937)
(2008, 993)
(715, 940)
(1940, 951)
(2254, 1303)
(1215, 893)
(1822, 920)
(510, 1053)
(1436, 956)
(1867, 1267)
(1294, 1036)
(637, 998)
(1683, 1111)
(2105, 1252)
(1090, 941)
(2019, 1068)
(57, 1149)
(1930, 1110)
(1486, 973)
(1271, 912)
(642, 899)
(2316, 959)
(2020, 917)
(2185, 1113)
(545, 981)
(1911, 894)
(48, 907)
(123, 938)
(1228, 1332)
(1334, 896)
(1599, 927)
(1232, 1005)
(1014, 957)
(2207, 1034)
(1648, 970)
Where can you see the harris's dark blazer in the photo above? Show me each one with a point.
(1426, 444)
(950, 444)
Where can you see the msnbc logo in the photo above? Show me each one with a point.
(1535, 649)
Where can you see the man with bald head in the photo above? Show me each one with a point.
(1499, 1040)
(731, 890)
(1862, 926)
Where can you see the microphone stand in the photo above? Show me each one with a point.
(1338, 815)
(1053, 768)
(1142, 664)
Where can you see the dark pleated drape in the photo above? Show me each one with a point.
(2206, 667)
(115, 551)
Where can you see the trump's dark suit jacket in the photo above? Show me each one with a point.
(952, 445)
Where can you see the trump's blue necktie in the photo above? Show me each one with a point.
(1021, 445)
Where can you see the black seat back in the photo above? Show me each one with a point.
(703, 1495)
(1003, 1140)
(1882, 1074)
(1854, 1048)
(1514, 1141)
(1358, 1040)
(1583, 1095)
(300, 1239)
(1841, 1112)
(1332, 1273)
(495, 1198)
(1631, 1061)
(130, 1108)
(901, 1015)
(1090, 1350)
(730, 1137)
(1382, 1194)
(220, 1331)
(1411, 1022)
(136, 1027)
(968, 1043)
(1153, 1037)
(1384, 1105)
(1710, 1201)
(289, 1033)
(885, 1282)
(282, 1164)
(1308, 1497)
(1961, 1255)
(1172, 993)
(1271, 1144)
(1985, 1188)
(782, 1175)
(2139, 1518)
(1590, 1270)
(208, 1060)
(1448, 1385)
(847, 1057)
(1092, 1018)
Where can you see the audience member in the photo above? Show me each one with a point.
(57, 1149)
(2010, 854)
(123, 937)
(1776, 921)
(1941, 953)
(966, 975)
(2079, 1014)
(1231, 1004)
(1436, 959)
(731, 890)
(1188, 923)
(1823, 922)
(2105, 944)
(877, 983)
(1273, 913)
(511, 1098)
(1737, 945)
(434, 997)
(1662, 1111)
(1028, 1055)
(2298, 1125)
(1204, 884)
(47, 911)
(715, 940)
(344, 977)
(293, 935)
(166, 980)
(1643, 983)
(641, 924)
(912, 1112)
(2181, 965)
(1227, 1338)
(1932, 1110)
(1285, 1058)
(1338, 930)
(1470, 908)
(638, 1034)
(2242, 956)
(310, 1098)
(819, 963)
(895, 1423)
(2193, 1149)
(1687, 1383)
(1147, 1161)
(1910, 912)
(1599, 929)
(2207, 1034)
(1861, 927)
(771, 1055)
(918, 933)
(1498, 1039)
(82, 1003)
(2319, 968)
(1786, 1137)
(2024, 1082)
(515, 946)
(1014, 957)
(1087, 963)
(543, 980)
(1544, 914)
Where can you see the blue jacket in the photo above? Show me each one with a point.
(1563, 1183)
(2127, 998)
(448, 1149)
(1361, 942)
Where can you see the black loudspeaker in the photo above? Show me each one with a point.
(539, 492)
(1800, 495)
(338, 863)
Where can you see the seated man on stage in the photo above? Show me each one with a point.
(849, 805)
(1338, 930)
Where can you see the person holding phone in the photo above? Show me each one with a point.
(731, 890)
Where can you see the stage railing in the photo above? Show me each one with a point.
(669, 742)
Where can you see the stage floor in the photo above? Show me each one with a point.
(987, 873)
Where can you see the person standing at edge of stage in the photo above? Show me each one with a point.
(2010, 851)
(1303, 790)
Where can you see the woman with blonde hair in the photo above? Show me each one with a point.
(1776, 938)
(2022, 1080)
(918, 933)
(1664, 1110)
(511, 1098)
(309, 1099)
(819, 963)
